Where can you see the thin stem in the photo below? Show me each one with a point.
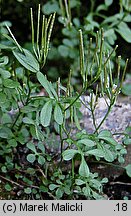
(92, 106)
(82, 70)
(94, 121)
(71, 104)
(108, 111)
(38, 29)
(123, 75)
(61, 140)
(72, 168)
(108, 58)
(88, 57)
(100, 61)
(84, 104)
(32, 29)
(16, 119)
(62, 8)
(29, 89)
(120, 183)
(12, 182)
(17, 44)
(52, 18)
(110, 72)
(118, 70)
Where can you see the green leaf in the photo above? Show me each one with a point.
(58, 115)
(87, 142)
(53, 186)
(127, 141)
(50, 7)
(69, 154)
(63, 50)
(4, 60)
(109, 33)
(6, 119)
(84, 169)
(45, 115)
(96, 183)
(59, 192)
(104, 180)
(31, 146)
(106, 133)
(8, 83)
(123, 151)
(76, 120)
(121, 159)
(8, 187)
(110, 19)
(43, 189)
(27, 60)
(108, 155)
(53, 90)
(87, 191)
(124, 31)
(12, 143)
(39, 133)
(107, 136)
(2, 46)
(6, 132)
(41, 147)
(68, 42)
(108, 2)
(27, 190)
(27, 120)
(126, 89)
(108, 140)
(41, 160)
(2, 97)
(96, 152)
(128, 170)
(79, 182)
(4, 73)
(4, 169)
(31, 158)
(45, 83)
(101, 7)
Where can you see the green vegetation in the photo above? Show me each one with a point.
(41, 139)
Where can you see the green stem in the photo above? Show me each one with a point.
(71, 104)
(61, 140)
(108, 111)
(16, 119)
(93, 117)
(73, 166)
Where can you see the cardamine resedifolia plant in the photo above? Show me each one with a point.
(41, 137)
